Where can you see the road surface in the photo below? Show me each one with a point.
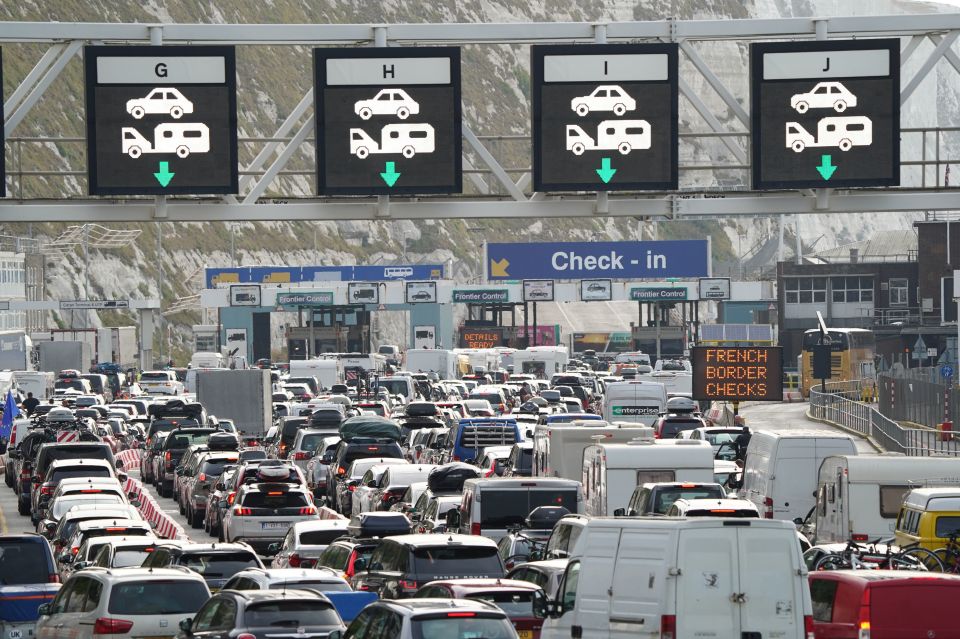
(789, 417)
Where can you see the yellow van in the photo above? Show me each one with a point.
(928, 516)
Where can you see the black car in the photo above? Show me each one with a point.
(51, 452)
(357, 448)
(150, 451)
(216, 563)
(174, 447)
(401, 564)
(288, 433)
(262, 614)
(342, 555)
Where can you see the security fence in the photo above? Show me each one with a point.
(919, 395)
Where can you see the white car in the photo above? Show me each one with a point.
(388, 102)
(608, 97)
(825, 95)
(322, 579)
(716, 435)
(161, 101)
(262, 513)
(132, 602)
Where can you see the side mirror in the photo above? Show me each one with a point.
(133, 495)
(65, 558)
(44, 609)
(122, 477)
(371, 484)
(273, 548)
(359, 565)
(619, 512)
(453, 518)
(49, 527)
(136, 503)
(327, 459)
(540, 605)
(798, 521)
(14, 453)
(119, 464)
(185, 624)
(80, 565)
(336, 634)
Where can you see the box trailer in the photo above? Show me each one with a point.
(241, 395)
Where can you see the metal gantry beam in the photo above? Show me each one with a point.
(66, 39)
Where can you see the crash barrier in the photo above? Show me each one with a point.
(163, 524)
(129, 457)
(329, 513)
(839, 409)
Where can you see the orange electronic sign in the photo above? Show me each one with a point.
(480, 337)
(738, 373)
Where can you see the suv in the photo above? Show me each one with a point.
(348, 452)
(199, 484)
(670, 426)
(174, 448)
(29, 579)
(262, 513)
(264, 613)
(342, 555)
(305, 541)
(216, 563)
(185, 470)
(432, 618)
(122, 602)
(306, 444)
(656, 498)
(281, 578)
(60, 470)
(49, 453)
(401, 564)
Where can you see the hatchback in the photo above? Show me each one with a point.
(263, 614)
(431, 619)
(513, 597)
(305, 541)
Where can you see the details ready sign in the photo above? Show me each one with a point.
(738, 373)
(161, 120)
(313, 298)
(825, 114)
(591, 260)
(481, 296)
(480, 337)
(658, 294)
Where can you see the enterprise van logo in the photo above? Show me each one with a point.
(635, 411)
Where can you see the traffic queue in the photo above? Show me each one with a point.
(490, 506)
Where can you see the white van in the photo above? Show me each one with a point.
(327, 372)
(436, 360)
(781, 469)
(399, 385)
(610, 472)
(490, 505)
(558, 448)
(542, 361)
(634, 401)
(656, 577)
(40, 383)
(859, 497)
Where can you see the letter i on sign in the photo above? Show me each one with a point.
(606, 67)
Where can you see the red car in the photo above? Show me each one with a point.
(513, 597)
(884, 604)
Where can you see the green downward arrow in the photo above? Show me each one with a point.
(164, 175)
(826, 167)
(605, 172)
(390, 175)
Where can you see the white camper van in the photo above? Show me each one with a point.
(558, 448)
(612, 471)
(679, 578)
(781, 469)
(436, 360)
(634, 401)
(542, 361)
(859, 496)
(326, 371)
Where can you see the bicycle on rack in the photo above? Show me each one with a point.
(949, 555)
(867, 557)
(533, 548)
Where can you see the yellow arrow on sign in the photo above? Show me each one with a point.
(498, 268)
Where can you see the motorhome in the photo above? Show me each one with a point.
(327, 372)
(435, 360)
(38, 383)
(610, 472)
(542, 361)
(558, 448)
(634, 401)
(859, 496)
(481, 360)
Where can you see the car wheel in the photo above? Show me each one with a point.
(134, 152)
(845, 144)
(8, 479)
(176, 112)
(183, 511)
(362, 152)
(619, 109)
(797, 146)
(403, 113)
(409, 152)
(624, 148)
(182, 152)
(582, 109)
(578, 148)
(839, 106)
(137, 112)
(365, 113)
(802, 107)
(23, 507)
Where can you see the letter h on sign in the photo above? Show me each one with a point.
(389, 72)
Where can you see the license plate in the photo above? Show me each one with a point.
(525, 634)
(275, 525)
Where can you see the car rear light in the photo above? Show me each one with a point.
(110, 626)
(246, 635)
(53, 578)
(230, 498)
(407, 584)
(808, 628)
(668, 627)
(858, 537)
(88, 491)
(351, 488)
(275, 493)
(25, 474)
(168, 455)
(456, 458)
(294, 560)
(768, 508)
(47, 489)
(301, 455)
(863, 618)
(460, 614)
(202, 477)
(390, 496)
(239, 511)
(74, 550)
(341, 471)
(475, 528)
(372, 448)
(308, 510)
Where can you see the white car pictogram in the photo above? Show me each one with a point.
(608, 97)
(825, 95)
(388, 102)
(161, 101)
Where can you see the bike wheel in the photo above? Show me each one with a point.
(927, 558)
(949, 560)
(831, 561)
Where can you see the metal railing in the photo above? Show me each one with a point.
(842, 409)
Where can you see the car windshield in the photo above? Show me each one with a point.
(157, 597)
(502, 508)
(718, 439)
(463, 561)
(459, 627)
(23, 562)
(310, 442)
(320, 537)
(671, 427)
(515, 604)
(185, 440)
(293, 614)
(127, 557)
(215, 466)
(79, 471)
(275, 499)
(322, 586)
(665, 498)
(63, 504)
(219, 565)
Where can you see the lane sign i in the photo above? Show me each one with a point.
(825, 113)
(604, 117)
(161, 120)
(388, 120)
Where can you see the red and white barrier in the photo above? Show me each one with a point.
(329, 513)
(163, 524)
(64, 436)
(129, 457)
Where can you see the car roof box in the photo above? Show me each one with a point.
(379, 524)
(223, 441)
(450, 478)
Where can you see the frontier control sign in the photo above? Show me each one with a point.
(592, 260)
(738, 373)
